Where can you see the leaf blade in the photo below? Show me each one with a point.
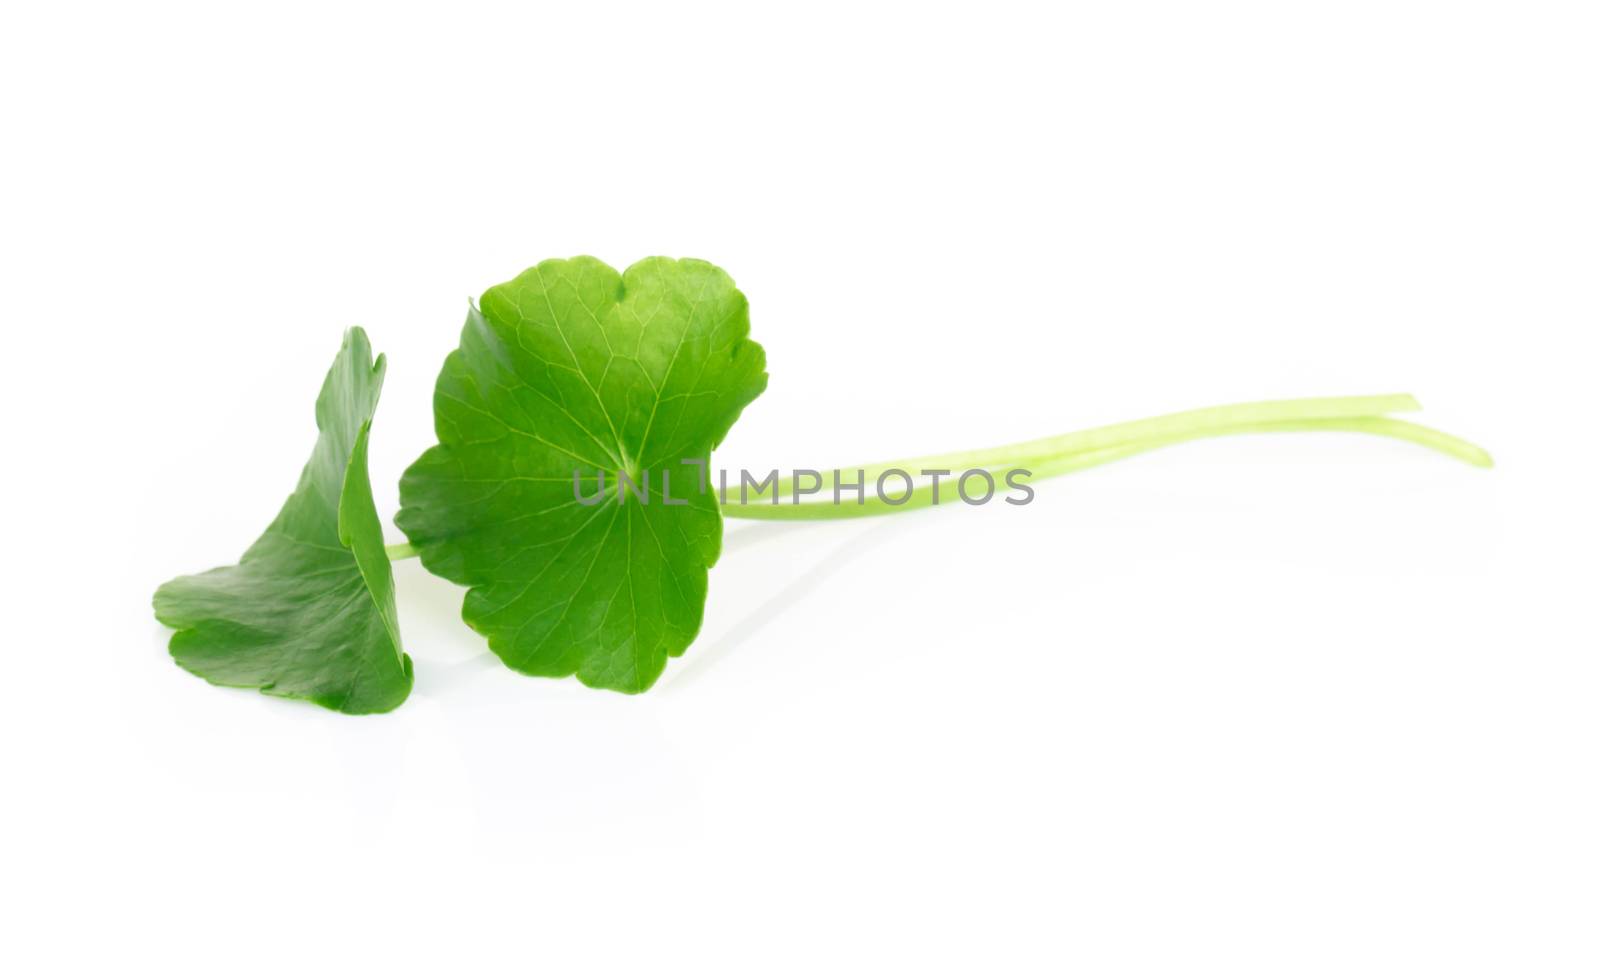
(574, 369)
(308, 612)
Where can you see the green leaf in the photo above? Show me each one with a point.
(309, 611)
(568, 369)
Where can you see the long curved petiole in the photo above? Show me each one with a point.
(1075, 451)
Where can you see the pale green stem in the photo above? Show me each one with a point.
(1072, 455)
(403, 550)
(1074, 451)
(1197, 420)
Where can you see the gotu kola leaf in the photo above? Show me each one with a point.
(572, 369)
(309, 611)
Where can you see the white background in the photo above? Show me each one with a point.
(1260, 699)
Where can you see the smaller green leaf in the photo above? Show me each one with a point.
(308, 613)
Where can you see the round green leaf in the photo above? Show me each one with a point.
(574, 372)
